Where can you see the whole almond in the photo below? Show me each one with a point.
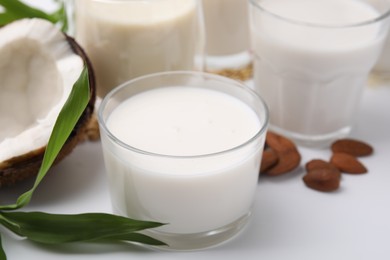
(322, 179)
(288, 161)
(321, 164)
(353, 147)
(269, 159)
(347, 163)
(279, 143)
(289, 157)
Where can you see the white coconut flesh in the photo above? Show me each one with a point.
(37, 71)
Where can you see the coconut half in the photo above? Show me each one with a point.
(38, 68)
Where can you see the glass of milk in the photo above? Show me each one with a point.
(184, 148)
(312, 59)
(129, 38)
(227, 45)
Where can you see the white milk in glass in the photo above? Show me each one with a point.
(227, 26)
(126, 39)
(311, 65)
(193, 194)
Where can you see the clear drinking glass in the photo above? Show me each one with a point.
(312, 60)
(205, 196)
(129, 38)
(227, 45)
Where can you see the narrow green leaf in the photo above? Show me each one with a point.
(66, 121)
(8, 224)
(22, 10)
(15, 9)
(63, 228)
(137, 237)
(6, 18)
(60, 16)
(2, 252)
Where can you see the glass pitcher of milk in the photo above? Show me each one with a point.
(129, 38)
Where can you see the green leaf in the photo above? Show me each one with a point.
(60, 16)
(20, 10)
(2, 253)
(15, 9)
(59, 228)
(6, 18)
(138, 238)
(66, 121)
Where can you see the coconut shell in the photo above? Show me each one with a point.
(27, 165)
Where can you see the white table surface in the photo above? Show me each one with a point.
(290, 221)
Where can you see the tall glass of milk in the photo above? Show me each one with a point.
(129, 38)
(184, 148)
(227, 45)
(312, 59)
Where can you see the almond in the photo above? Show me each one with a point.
(320, 164)
(269, 159)
(289, 157)
(322, 179)
(279, 143)
(353, 147)
(347, 163)
(288, 161)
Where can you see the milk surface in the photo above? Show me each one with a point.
(312, 76)
(183, 121)
(227, 26)
(126, 39)
(193, 194)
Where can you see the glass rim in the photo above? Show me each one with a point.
(379, 18)
(103, 126)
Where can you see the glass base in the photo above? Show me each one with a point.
(377, 78)
(312, 141)
(198, 241)
(237, 66)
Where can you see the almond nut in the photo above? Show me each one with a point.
(353, 147)
(322, 179)
(288, 161)
(269, 159)
(287, 152)
(279, 143)
(347, 163)
(320, 164)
